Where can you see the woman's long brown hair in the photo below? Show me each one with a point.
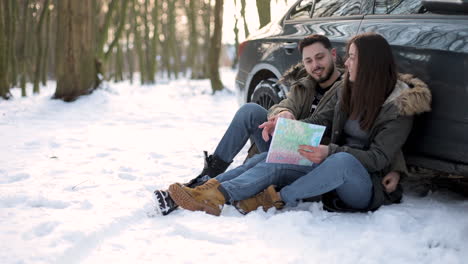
(375, 80)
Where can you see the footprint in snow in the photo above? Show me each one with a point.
(40, 230)
(42, 202)
(14, 178)
(126, 176)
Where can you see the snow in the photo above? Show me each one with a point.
(76, 182)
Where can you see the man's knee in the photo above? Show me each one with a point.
(253, 110)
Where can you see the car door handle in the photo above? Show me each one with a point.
(290, 45)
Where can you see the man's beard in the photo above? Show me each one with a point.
(327, 75)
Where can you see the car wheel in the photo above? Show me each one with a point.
(267, 93)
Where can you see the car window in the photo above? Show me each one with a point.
(302, 10)
(397, 7)
(330, 8)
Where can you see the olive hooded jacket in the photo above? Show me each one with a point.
(387, 135)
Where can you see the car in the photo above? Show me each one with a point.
(429, 39)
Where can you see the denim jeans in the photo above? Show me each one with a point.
(243, 126)
(341, 172)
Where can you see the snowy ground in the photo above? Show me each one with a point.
(76, 182)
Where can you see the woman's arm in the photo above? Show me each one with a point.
(384, 146)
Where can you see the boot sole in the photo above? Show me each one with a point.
(184, 200)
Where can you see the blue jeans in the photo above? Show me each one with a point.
(341, 172)
(243, 126)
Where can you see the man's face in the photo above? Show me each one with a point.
(319, 61)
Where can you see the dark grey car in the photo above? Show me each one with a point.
(429, 40)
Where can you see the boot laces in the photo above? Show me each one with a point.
(206, 186)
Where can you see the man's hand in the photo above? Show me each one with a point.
(314, 154)
(285, 114)
(269, 126)
(390, 181)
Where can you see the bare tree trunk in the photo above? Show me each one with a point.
(192, 11)
(130, 61)
(45, 64)
(40, 49)
(165, 54)
(122, 18)
(236, 38)
(246, 28)
(104, 29)
(118, 77)
(263, 8)
(148, 53)
(207, 38)
(75, 57)
(137, 38)
(172, 45)
(154, 39)
(13, 9)
(4, 67)
(24, 47)
(215, 50)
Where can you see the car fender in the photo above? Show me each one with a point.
(255, 70)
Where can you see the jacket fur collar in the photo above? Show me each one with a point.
(410, 95)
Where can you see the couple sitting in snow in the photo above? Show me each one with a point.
(368, 111)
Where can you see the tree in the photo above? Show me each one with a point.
(246, 29)
(5, 47)
(236, 38)
(75, 49)
(263, 8)
(40, 47)
(191, 10)
(215, 48)
(23, 47)
(207, 11)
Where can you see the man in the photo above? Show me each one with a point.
(309, 92)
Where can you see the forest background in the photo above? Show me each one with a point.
(81, 43)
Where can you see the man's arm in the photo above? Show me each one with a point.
(293, 103)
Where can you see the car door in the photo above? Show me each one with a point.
(434, 48)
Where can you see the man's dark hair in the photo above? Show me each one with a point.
(312, 39)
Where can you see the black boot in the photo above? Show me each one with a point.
(213, 167)
(165, 205)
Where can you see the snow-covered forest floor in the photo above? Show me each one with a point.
(76, 182)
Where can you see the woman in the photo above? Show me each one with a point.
(370, 117)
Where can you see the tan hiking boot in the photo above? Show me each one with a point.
(205, 197)
(267, 199)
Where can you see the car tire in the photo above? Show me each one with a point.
(267, 93)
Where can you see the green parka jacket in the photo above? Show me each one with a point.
(301, 94)
(392, 126)
(299, 102)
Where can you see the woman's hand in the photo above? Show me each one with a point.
(314, 154)
(390, 181)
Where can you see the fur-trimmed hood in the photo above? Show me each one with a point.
(294, 74)
(410, 95)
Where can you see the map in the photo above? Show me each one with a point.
(289, 134)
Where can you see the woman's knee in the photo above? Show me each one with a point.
(342, 158)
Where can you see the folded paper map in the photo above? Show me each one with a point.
(288, 135)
